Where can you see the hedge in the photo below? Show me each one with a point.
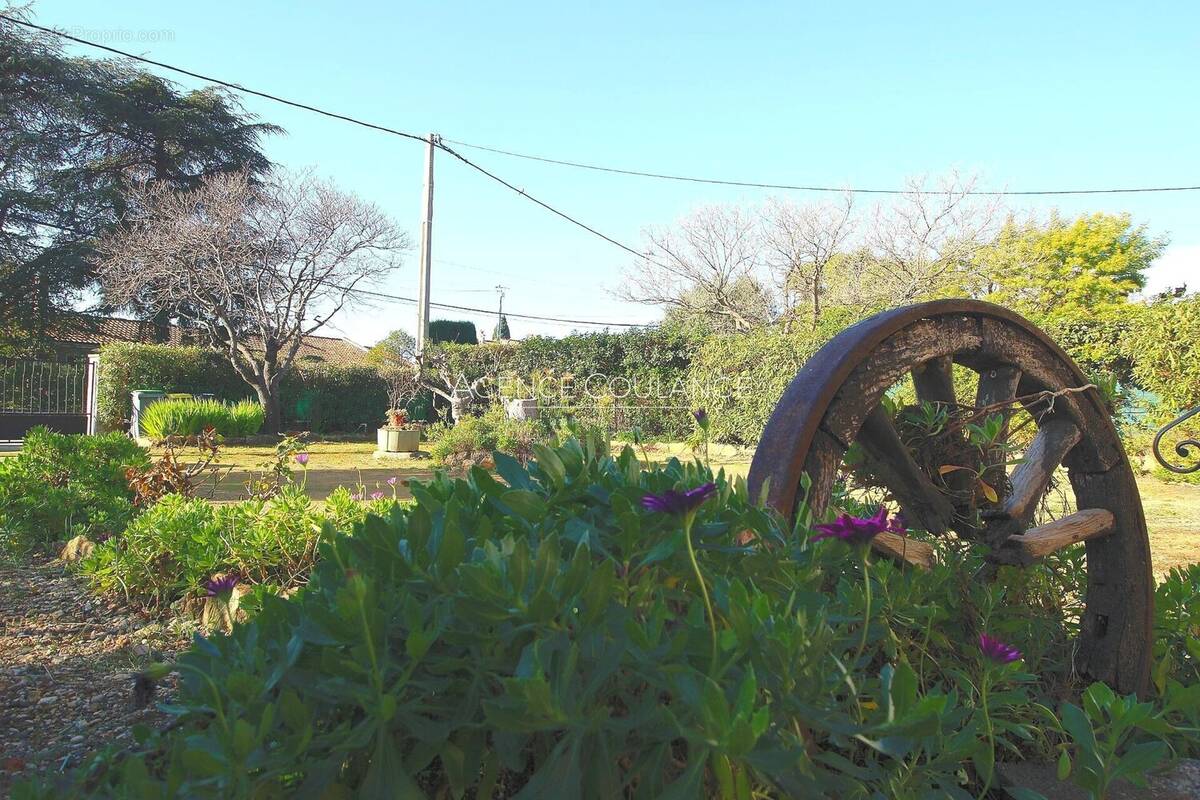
(324, 397)
(652, 360)
(460, 331)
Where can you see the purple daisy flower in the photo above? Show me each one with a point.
(376, 495)
(855, 530)
(302, 458)
(997, 650)
(392, 480)
(220, 587)
(898, 524)
(701, 417)
(356, 496)
(673, 501)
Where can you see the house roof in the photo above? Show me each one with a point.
(95, 331)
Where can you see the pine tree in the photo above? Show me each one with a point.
(502, 331)
(74, 133)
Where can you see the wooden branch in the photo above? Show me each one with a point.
(889, 459)
(902, 548)
(1043, 540)
(934, 381)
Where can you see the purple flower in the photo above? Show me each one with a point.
(376, 495)
(220, 587)
(898, 524)
(701, 417)
(392, 480)
(676, 502)
(855, 530)
(997, 650)
(356, 496)
(302, 458)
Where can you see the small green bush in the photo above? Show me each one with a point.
(61, 485)
(548, 636)
(190, 416)
(167, 553)
(475, 437)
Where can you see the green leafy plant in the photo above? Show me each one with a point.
(475, 437)
(1103, 745)
(61, 485)
(546, 634)
(168, 553)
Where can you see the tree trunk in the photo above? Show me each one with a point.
(270, 403)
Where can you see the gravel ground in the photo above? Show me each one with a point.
(67, 661)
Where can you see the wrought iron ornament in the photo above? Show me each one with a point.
(1183, 449)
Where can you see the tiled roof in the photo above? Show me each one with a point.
(96, 331)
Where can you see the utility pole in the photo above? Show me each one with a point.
(426, 248)
(500, 311)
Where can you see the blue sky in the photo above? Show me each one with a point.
(1027, 95)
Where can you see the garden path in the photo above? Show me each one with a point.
(67, 661)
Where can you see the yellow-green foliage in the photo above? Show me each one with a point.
(191, 416)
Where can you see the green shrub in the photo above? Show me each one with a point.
(61, 485)
(318, 396)
(246, 418)
(168, 552)
(459, 331)
(546, 636)
(190, 416)
(476, 437)
(739, 378)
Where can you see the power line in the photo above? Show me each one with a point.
(576, 164)
(490, 311)
(333, 115)
(800, 187)
(218, 81)
(546, 206)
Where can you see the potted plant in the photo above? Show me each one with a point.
(398, 435)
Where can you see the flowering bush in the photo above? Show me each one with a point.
(558, 634)
(63, 485)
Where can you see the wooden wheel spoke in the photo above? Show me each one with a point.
(1031, 479)
(889, 458)
(996, 386)
(1039, 542)
(934, 381)
(902, 548)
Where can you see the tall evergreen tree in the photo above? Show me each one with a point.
(73, 133)
(502, 331)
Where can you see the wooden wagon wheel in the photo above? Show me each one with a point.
(835, 401)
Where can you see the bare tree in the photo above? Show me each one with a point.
(800, 243)
(462, 394)
(403, 383)
(255, 266)
(926, 243)
(706, 266)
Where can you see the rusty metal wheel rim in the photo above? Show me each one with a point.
(832, 402)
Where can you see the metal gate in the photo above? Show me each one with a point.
(59, 394)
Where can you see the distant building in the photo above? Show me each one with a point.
(89, 333)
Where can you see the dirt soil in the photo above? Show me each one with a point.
(67, 661)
